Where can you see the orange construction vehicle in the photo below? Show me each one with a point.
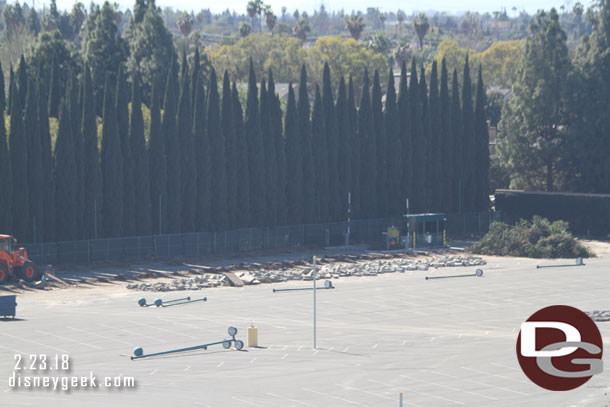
(14, 261)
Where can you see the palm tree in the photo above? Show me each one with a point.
(301, 29)
(382, 18)
(355, 25)
(421, 26)
(270, 18)
(400, 16)
(252, 10)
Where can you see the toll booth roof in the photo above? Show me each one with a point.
(425, 217)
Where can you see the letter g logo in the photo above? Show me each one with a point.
(560, 348)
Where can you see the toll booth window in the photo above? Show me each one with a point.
(4, 245)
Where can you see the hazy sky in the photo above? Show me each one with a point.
(452, 6)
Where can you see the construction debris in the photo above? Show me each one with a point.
(304, 272)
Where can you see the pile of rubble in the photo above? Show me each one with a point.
(181, 284)
(326, 271)
(599, 316)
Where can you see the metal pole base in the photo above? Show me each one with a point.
(478, 273)
(328, 285)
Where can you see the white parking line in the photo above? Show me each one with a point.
(37, 343)
(292, 400)
(418, 392)
(480, 383)
(68, 339)
(162, 329)
(247, 402)
(334, 397)
(496, 375)
(101, 336)
(449, 387)
(375, 394)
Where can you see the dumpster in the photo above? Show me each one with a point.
(8, 303)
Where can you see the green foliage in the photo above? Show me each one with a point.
(320, 159)
(187, 156)
(434, 146)
(242, 167)
(34, 162)
(103, 49)
(173, 151)
(467, 143)
(256, 153)
(294, 164)
(141, 179)
(304, 134)
(18, 146)
(92, 175)
(111, 164)
(536, 120)
(538, 239)
(48, 185)
(66, 181)
(122, 109)
(157, 162)
(6, 198)
(445, 162)
(151, 50)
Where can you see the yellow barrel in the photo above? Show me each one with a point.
(252, 337)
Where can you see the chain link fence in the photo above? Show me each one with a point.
(235, 241)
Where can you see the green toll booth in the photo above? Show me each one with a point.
(424, 230)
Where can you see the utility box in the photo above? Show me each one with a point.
(392, 238)
(8, 304)
(252, 337)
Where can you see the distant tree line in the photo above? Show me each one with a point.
(211, 164)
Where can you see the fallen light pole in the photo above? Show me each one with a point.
(169, 303)
(138, 353)
(328, 285)
(478, 273)
(578, 263)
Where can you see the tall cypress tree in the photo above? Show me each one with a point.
(433, 174)
(266, 109)
(11, 84)
(2, 91)
(405, 129)
(157, 165)
(22, 81)
(92, 173)
(422, 145)
(195, 77)
(111, 165)
(122, 110)
(481, 159)
(304, 126)
(48, 184)
(256, 152)
(320, 159)
(188, 182)
(294, 162)
(467, 142)
(344, 146)
(279, 150)
(445, 160)
(393, 150)
(219, 122)
(54, 88)
(332, 142)
(457, 131)
(6, 197)
(243, 188)
(34, 157)
(141, 187)
(368, 153)
(202, 158)
(18, 146)
(229, 124)
(379, 140)
(75, 112)
(65, 176)
(172, 149)
(418, 187)
(352, 115)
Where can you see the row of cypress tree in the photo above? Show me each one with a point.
(208, 165)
